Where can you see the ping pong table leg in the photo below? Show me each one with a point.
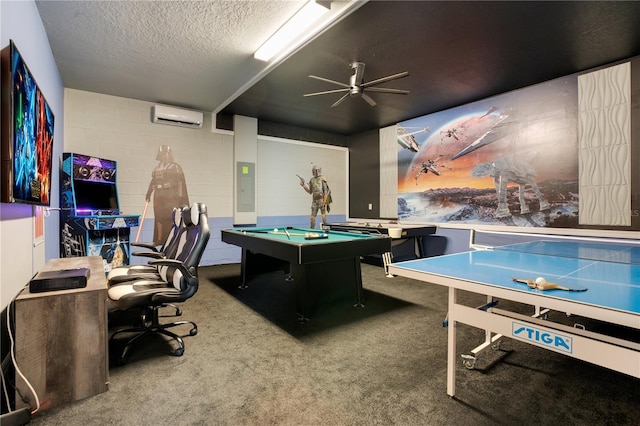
(451, 350)
(386, 261)
(490, 339)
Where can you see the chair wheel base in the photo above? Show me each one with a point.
(123, 347)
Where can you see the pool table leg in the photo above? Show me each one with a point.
(302, 295)
(243, 266)
(359, 299)
(418, 246)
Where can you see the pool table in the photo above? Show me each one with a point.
(416, 233)
(314, 265)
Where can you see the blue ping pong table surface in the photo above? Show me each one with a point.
(610, 272)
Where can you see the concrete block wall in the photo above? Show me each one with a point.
(121, 129)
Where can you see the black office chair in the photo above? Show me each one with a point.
(168, 250)
(177, 283)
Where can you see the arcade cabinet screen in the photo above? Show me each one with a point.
(94, 185)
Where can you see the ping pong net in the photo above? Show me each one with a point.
(618, 251)
(606, 252)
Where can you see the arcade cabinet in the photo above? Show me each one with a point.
(90, 219)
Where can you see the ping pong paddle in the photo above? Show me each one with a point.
(544, 285)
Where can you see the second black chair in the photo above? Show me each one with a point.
(177, 282)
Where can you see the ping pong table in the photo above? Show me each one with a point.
(609, 271)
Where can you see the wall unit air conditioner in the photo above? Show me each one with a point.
(176, 116)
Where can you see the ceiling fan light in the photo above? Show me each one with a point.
(293, 30)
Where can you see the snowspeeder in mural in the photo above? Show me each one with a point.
(508, 160)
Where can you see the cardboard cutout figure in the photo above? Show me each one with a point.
(320, 195)
(170, 191)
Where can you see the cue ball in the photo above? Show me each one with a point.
(275, 229)
(541, 281)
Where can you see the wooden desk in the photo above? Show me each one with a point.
(61, 338)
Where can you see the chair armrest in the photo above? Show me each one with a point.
(148, 246)
(190, 277)
(151, 254)
(187, 272)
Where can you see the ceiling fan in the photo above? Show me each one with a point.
(357, 85)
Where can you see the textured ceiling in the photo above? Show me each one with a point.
(200, 54)
(195, 54)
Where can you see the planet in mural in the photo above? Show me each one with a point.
(447, 149)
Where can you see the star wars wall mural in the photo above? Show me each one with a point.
(507, 160)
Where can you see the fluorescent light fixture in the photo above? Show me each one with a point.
(304, 18)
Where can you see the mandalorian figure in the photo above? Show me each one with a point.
(320, 195)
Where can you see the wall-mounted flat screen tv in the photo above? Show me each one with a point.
(26, 147)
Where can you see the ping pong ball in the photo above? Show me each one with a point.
(541, 281)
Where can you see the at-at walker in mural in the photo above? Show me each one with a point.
(510, 169)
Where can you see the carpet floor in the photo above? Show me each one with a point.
(253, 363)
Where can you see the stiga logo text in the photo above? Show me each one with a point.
(553, 341)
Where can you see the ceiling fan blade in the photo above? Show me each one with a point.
(326, 92)
(328, 81)
(386, 90)
(369, 100)
(387, 78)
(340, 100)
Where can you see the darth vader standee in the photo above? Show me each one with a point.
(169, 190)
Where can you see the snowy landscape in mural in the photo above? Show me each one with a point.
(509, 160)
